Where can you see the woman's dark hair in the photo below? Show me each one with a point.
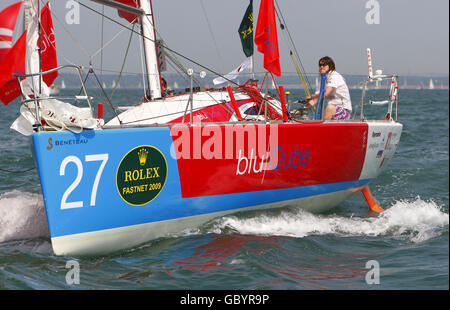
(327, 60)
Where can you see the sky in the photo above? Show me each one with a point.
(410, 37)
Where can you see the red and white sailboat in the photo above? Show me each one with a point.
(176, 161)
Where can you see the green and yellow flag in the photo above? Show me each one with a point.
(246, 31)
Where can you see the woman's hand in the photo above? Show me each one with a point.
(311, 102)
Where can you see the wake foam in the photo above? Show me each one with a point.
(417, 221)
(22, 216)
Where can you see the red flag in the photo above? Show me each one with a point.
(266, 38)
(128, 16)
(48, 47)
(8, 18)
(14, 63)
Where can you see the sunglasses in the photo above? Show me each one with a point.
(323, 65)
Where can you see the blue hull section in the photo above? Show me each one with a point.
(81, 182)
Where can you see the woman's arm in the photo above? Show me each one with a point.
(312, 100)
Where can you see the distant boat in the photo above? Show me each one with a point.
(431, 85)
(175, 85)
(63, 85)
(54, 90)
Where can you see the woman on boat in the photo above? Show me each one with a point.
(339, 105)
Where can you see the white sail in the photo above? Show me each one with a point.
(32, 62)
(431, 85)
(63, 85)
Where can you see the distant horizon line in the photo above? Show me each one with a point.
(433, 75)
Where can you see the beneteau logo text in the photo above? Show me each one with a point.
(55, 143)
(141, 175)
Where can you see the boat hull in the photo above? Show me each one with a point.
(107, 190)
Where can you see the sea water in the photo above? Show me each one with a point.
(405, 247)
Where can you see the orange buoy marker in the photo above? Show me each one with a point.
(371, 200)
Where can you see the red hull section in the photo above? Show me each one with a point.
(212, 160)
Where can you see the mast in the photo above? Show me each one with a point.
(40, 46)
(151, 58)
(32, 21)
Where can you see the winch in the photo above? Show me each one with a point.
(301, 112)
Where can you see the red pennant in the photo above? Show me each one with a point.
(48, 47)
(266, 38)
(8, 18)
(128, 16)
(14, 63)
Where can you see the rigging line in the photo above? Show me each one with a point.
(181, 67)
(107, 98)
(211, 32)
(280, 14)
(299, 72)
(290, 37)
(173, 58)
(142, 68)
(116, 71)
(169, 49)
(168, 114)
(80, 46)
(101, 43)
(176, 62)
(107, 43)
(257, 72)
(177, 69)
(290, 45)
(123, 64)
